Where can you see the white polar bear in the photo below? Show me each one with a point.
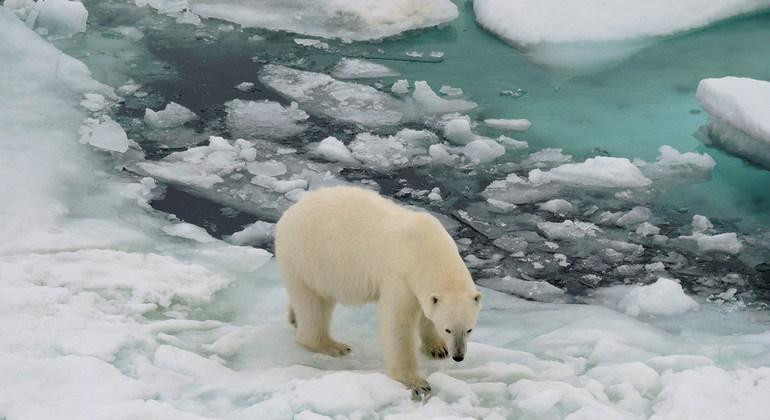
(350, 245)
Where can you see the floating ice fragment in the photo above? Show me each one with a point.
(599, 172)
(430, 103)
(356, 21)
(245, 86)
(173, 115)
(400, 87)
(260, 119)
(258, 233)
(105, 134)
(483, 150)
(450, 91)
(739, 116)
(557, 206)
(354, 68)
(568, 229)
(334, 150)
(513, 125)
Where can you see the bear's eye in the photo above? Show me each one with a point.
(447, 331)
(469, 331)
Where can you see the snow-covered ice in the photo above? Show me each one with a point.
(575, 33)
(740, 117)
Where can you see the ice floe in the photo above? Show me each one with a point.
(354, 68)
(579, 34)
(357, 21)
(321, 94)
(740, 118)
(264, 119)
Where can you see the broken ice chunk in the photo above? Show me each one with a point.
(259, 119)
(334, 150)
(258, 233)
(599, 172)
(354, 68)
(513, 125)
(740, 121)
(430, 103)
(173, 115)
(105, 134)
(568, 229)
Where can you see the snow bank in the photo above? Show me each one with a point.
(740, 117)
(357, 21)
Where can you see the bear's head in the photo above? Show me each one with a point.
(454, 315)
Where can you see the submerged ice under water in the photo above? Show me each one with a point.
(579, 222)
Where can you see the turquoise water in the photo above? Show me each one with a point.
(629, 109)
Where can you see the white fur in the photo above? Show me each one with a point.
(350, 245)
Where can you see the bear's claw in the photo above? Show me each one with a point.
(436, 351)
(420, 390)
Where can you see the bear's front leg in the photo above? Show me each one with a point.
(432, 344)
(398, 315)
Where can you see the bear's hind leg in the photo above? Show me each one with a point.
(432, 345)
(313, 318)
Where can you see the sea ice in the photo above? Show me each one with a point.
(264, 119)
(664, 297)
(577, 33)
(334, 150)
(105, 134)
(354, 68)
(51, 17)
(598, 172)
(173, 115)
(739, 121)
(404, 149)
(357, 21)
(513, 125)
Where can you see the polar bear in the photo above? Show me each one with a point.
(352, 246)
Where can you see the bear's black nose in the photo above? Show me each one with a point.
(458, 358)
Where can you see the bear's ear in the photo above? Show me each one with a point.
(434, 299)
(477, 297)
